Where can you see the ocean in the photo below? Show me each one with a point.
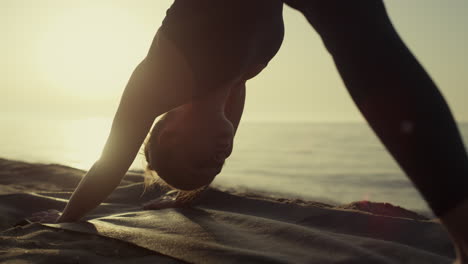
(329, 162)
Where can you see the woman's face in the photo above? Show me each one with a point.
(200, 141)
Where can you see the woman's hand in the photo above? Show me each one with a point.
(168, 200)
(174, 199)
(162, 203)
(45, 217)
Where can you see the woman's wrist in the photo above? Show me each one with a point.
(67, 216)
(63, 219)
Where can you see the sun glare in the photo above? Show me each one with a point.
(85, 140)
(90, 50)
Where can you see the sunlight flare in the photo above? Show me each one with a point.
(89, 51)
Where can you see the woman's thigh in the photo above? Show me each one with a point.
(340, 17)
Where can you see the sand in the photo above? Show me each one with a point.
(225, 226)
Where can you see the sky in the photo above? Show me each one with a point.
(71, 59)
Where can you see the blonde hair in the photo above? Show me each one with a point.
(157, 162)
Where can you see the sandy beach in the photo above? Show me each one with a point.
(224, 226)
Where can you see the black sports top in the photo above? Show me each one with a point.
(222, 38)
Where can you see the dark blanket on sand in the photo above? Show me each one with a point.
(223, 227)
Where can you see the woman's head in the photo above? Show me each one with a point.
(188, 146)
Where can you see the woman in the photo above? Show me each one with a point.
(400, 102)
(195, 70)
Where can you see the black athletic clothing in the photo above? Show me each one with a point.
(221, 38)
(395, 94)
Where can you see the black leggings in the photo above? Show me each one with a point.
(395, 94)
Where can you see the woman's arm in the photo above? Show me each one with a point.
(235, 105)
(161, 82)
(130, 127)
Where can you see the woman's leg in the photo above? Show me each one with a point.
(399, 100)
(396, 96)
